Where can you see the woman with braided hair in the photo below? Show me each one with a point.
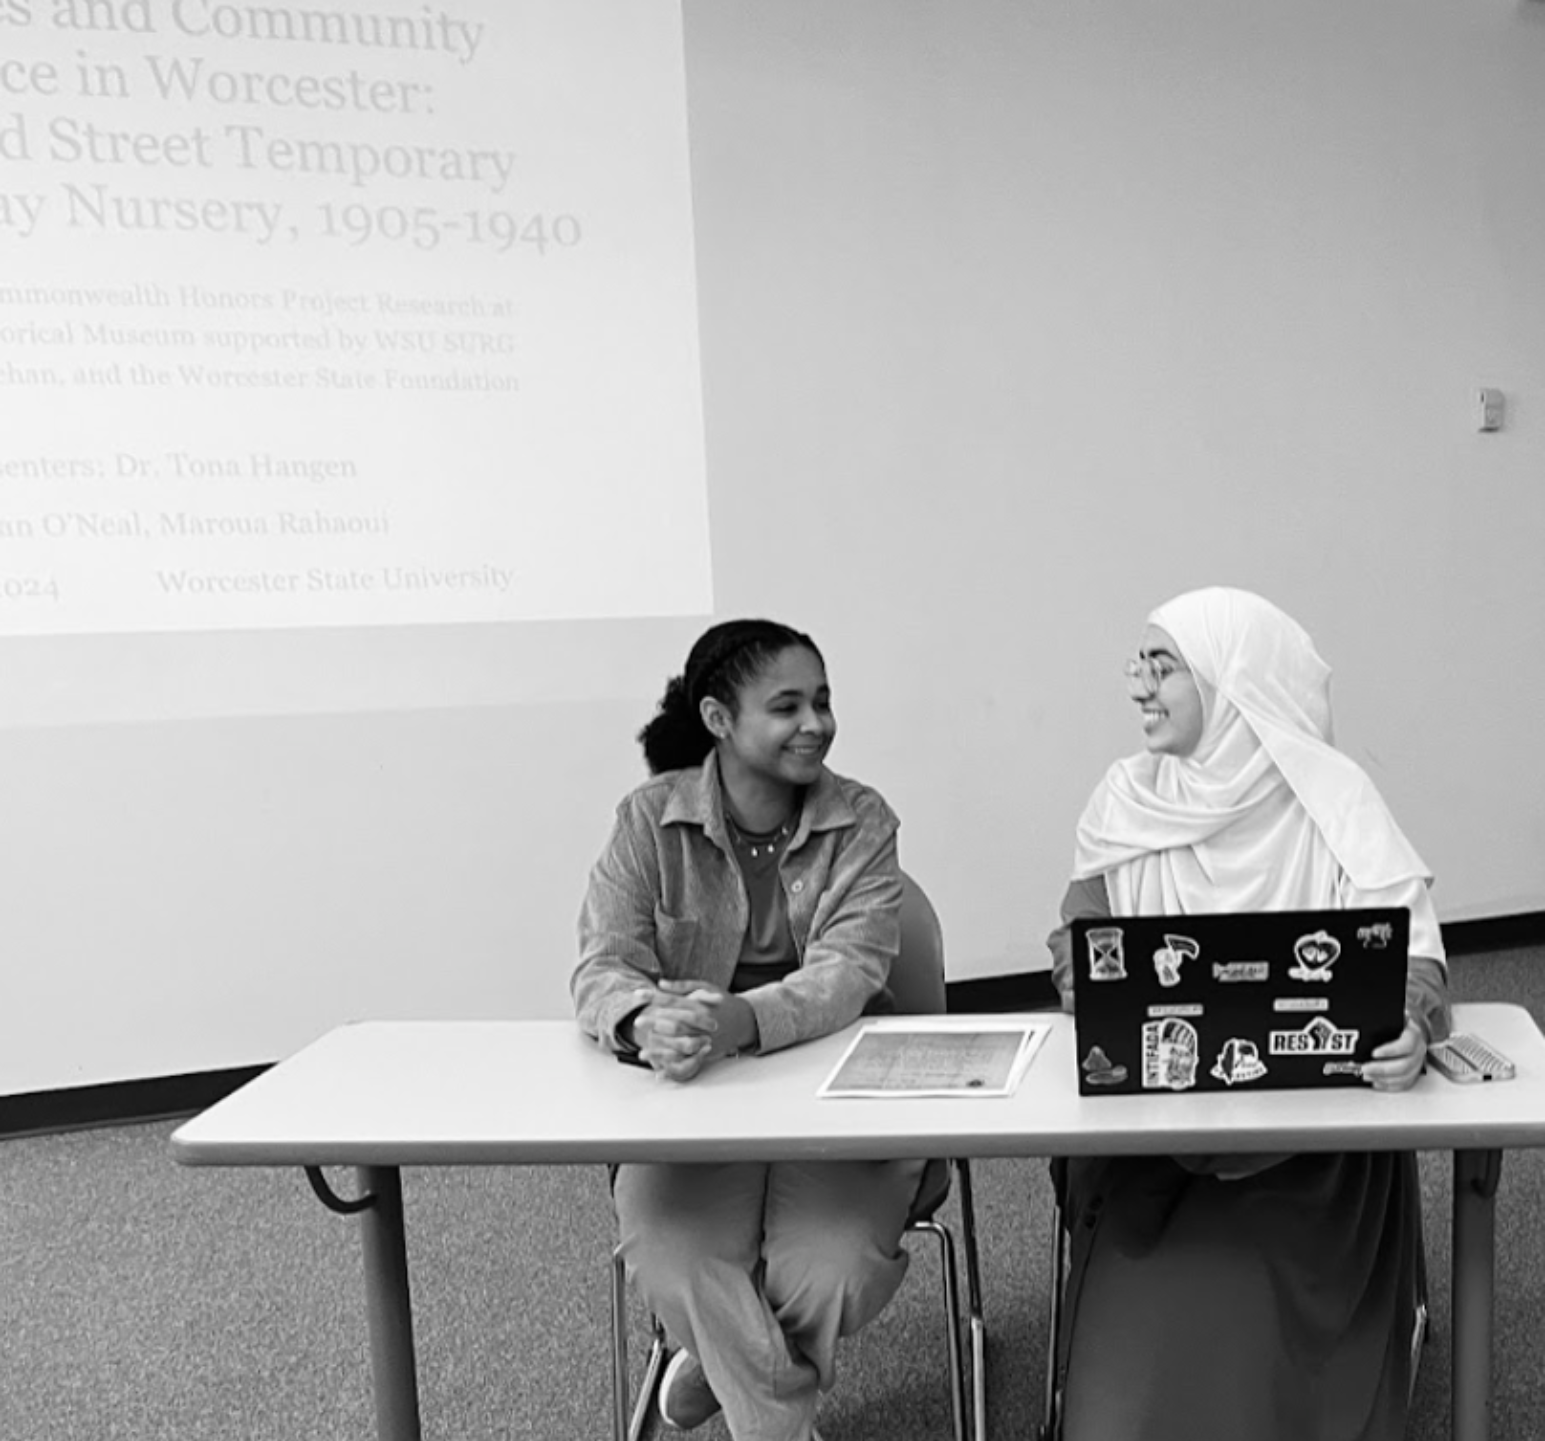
(748, 899)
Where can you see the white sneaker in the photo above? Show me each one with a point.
(686, 1400)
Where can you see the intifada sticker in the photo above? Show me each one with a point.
(1316, 954)
(1301, 1003)
(1319, 1038)
(1377, 936)
(1240, 971)
(1099, 1071)
(1169, 1055)
(1168, 959)
(1342, 1068)
(1107, 960)
(1238, 1061)
(1177, 1008)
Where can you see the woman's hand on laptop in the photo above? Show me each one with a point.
(1396, 1064)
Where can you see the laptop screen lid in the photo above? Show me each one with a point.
(1266, 999)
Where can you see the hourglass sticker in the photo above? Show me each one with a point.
(1168, 958)
(1107, 960)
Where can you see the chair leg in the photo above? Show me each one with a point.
(1418, 1341)
(1051, 1423)
(951, 1284)
(619, 1346)
(1419, 1330)
(654, 1368)
(626, 1425)
(975, 1316)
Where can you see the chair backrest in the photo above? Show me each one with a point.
(917, 977)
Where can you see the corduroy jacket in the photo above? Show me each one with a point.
(666, 900)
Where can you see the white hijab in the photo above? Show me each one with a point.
(1265, 814)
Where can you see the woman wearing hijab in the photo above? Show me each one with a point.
(1212, 1298)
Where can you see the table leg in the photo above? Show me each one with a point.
(1476, 1174)
(388, 1306)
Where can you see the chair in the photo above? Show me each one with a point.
(1051, 1416)
(917, 987)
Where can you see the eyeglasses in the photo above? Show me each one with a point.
(1146, 673)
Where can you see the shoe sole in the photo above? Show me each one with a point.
(673, 1368)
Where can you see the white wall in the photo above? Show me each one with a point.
(1018, 317)
(1021, 317)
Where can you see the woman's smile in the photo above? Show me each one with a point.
(1165, 688)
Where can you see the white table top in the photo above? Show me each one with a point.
(391, 1093)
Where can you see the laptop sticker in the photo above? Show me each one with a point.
(1301, 1003)
(1238, 1061)
(1342, 1068)
(1176, 1008)
(1099, 1071)
(1107, 961)
(1169, 1055)
(1316, 955)
(1168, 959)
(1319, 1038)
(1240, 971)
(1376, 937)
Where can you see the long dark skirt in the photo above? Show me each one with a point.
(1278, 1306)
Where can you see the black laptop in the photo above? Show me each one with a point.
(1236, 1002)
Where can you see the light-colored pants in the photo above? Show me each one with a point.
(756, 1269)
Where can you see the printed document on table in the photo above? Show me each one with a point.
(936, 1056)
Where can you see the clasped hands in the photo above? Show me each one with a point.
(686, 1024)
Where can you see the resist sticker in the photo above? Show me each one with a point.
(1318, 1038)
